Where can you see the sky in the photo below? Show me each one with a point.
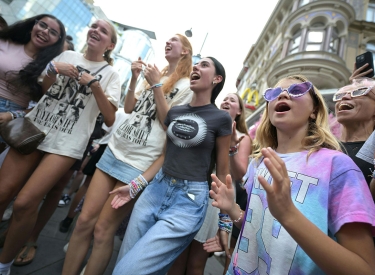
(232, 26)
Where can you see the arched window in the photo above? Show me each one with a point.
(295, 42)
(334, 41)
(315, 37)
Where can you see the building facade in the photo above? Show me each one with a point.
(317, 38)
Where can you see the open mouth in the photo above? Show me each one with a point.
(168, 48)
(225, 107)
(94, 36)
(345, 107)
(195, 76)
(41, 37)
(282, 107)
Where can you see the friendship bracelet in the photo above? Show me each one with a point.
(231, 154)
(51, 68)
(241, 213)
(54, 66)
(137, 185)
(11, 114)
(234, 148)
(18, 114)
(156, 85)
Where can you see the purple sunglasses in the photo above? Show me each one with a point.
(294, 90)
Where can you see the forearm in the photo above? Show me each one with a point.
(161, 104)
(130, 99)
(329, 255)
(106, 108)
(48, 80)
(150, 173)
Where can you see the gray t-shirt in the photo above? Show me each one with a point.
(368, 149)
(191, 137)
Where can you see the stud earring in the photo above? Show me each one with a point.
(213, 82)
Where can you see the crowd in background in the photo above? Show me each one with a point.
(174, 175)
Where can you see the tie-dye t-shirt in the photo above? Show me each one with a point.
(329, 189)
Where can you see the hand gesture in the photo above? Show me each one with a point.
(278, 193)
(84, 78)
(218, 243)
(223, 194)
(234, 139)
(122, 196)
(67, 69)
(359, 72)
(5, 117)
(152, 74)
(136, 68)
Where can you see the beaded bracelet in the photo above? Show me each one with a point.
(225, 223)
(241, 213)
(156, 85)
(18, 113)
(137, 185)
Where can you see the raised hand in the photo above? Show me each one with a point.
(223, 194)
(152, 74)
(360, 72)
(136, 67)
(122, 196)
(278, 193)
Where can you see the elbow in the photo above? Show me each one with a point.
(109, 121)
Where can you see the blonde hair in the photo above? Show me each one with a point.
(107, 54)
(318, 134)
(183, 69)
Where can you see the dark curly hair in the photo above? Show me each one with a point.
(26, 80)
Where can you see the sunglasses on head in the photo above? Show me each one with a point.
(355, 92)
(294, 90)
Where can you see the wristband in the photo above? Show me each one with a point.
(91, 81)
(18, 114)
(156, 85)
(240, 217)
(137, 185)
(54, 66)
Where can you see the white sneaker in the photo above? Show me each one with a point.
(219, 254)
(7, 214)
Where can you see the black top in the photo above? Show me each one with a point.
(351, 149)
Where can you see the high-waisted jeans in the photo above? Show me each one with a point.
(165, 219)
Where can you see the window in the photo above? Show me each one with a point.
(334, 41)
(370, 16)
(315, 37)
(303, 2)
(294, 43)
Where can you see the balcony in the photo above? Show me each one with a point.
(323, 69)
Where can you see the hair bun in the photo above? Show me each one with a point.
(69, 38)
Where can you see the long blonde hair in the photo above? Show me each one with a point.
(318, 134)
(183, 69)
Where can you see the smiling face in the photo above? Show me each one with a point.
(288, 113)
(355, 109)
(99, 36)
(231, 105)
(42, 37)
(174, 48)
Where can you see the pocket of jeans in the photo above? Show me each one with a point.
(197, 195)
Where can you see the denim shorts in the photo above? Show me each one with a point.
(6, 106)
(121, 171)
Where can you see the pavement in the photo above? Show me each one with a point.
(50, 256)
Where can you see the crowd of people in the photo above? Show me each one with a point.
(178, 177)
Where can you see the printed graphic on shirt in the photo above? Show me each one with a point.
(139, 125)
(265, 246)
(187, 130)
(63, 104)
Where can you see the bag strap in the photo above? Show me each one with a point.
(98, 71)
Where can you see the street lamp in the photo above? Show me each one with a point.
(197, 57)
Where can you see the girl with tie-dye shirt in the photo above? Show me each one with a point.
(309, 209)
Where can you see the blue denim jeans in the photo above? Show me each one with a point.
(164, 221)
(6, 106)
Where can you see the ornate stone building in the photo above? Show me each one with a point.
(319, 39)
